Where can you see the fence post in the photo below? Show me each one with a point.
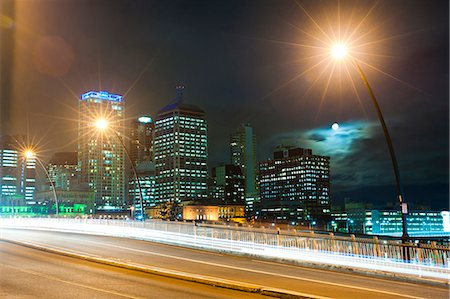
(313, 240)
(195, 230)
(435, 252)
(354, 247)
(333, 242)
(376, 247)
(278, 237)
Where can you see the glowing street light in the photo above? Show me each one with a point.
(30, 154)
(102, 124)
(340, 51)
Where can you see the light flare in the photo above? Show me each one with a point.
(101, 124)
(339, 51)
(29, 154)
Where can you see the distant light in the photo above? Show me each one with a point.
(101, 124)
(29, 154)
(335, 126)
(145, 119)
(339, 51)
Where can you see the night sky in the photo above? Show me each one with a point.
(252, 61)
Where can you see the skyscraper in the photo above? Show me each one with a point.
(146, 174)
(62, 170)
(17, 173)
(9, 168)
(228, 185)
(141, 140)
(100, 153)
(181, 152)
(243, 154)
(295, 187)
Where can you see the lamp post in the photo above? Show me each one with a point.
(102, 124)
(29, 154)
(340, 51)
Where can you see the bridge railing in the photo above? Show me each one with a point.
(426, 254)
(291, 242)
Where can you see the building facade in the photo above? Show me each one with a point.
(62, 170)
(146, 175)
(389, 222)
(17, 173)
(228, 185)
(243, 154)
(295, 188)
(100, 153)
(141, 140)
(181, 152)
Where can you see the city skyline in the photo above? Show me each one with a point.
(224, 149)
(359, 161)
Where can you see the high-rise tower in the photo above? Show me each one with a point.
(181, 151)
(17, 173)
(100, 153)
(141, 140)
(62, 170)
(295, 187)
(243, 154)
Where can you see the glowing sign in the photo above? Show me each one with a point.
(102, 95)
(145, 119)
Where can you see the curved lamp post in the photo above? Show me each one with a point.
(102, 124)
(340, 51)
(30, 154)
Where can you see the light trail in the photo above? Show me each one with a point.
(128, 229)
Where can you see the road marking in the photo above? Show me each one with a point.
(263, 272)
(252, 270)
(71, 282)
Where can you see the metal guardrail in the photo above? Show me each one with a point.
(426, 254)
(384, 255)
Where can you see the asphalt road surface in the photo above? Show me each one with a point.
(15, 263)
(30, 273)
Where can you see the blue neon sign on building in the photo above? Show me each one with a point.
(102, 95)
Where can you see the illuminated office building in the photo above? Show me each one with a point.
(141, 140)
(227, 186)
(295, 188)
(100, 153)
(181, 152)
(62, 170)
(17, 174)
(243, 154)
(389, 222)
(9, 167)
(146, 175)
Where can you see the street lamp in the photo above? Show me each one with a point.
(30, 155)
(102, 124)
(340, 51)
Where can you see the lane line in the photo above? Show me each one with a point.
(262, 272)
(71, 282)
(191, 277)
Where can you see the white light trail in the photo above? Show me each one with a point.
(136, 230)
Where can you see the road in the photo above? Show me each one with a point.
(272, 274)
(29, 273)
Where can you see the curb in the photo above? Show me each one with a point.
(207, 280)
(338, 269)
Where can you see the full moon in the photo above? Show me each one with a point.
(335, 126)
